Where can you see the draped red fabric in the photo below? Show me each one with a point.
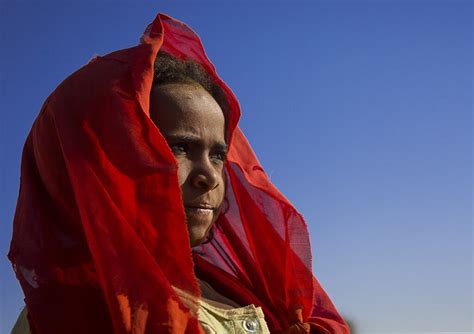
(100, 238)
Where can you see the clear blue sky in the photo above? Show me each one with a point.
(361, 112)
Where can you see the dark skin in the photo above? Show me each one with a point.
(193, 125)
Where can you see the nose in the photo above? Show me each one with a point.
(205, 176)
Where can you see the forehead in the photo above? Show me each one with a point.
(186, 108)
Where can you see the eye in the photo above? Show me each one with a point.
(219, 155)
(179, 148)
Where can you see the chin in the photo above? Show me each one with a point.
(198, 234)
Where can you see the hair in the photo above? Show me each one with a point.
(169, 69)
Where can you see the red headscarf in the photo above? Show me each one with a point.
(100, 238)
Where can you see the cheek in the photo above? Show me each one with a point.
(221, 190)
(183, 170)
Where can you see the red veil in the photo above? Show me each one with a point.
(99, 236)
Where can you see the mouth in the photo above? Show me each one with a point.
(200, 210)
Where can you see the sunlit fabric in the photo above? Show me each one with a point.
(100, 240)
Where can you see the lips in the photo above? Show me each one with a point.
(201, 210)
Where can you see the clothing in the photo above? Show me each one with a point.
(21, 324)
(248, 319)
(217, 314)
(100, 239)
(214, 320)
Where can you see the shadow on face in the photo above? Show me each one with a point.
(193, 125)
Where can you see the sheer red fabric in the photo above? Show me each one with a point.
(100, 238)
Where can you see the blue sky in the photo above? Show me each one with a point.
(361, 112)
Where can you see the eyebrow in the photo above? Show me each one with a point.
(194, 140)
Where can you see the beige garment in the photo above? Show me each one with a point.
(218, 314)
(241, 320)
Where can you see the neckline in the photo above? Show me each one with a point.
(241, 312)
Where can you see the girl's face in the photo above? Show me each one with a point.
(193, 125)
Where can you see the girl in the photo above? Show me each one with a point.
(143, 208)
